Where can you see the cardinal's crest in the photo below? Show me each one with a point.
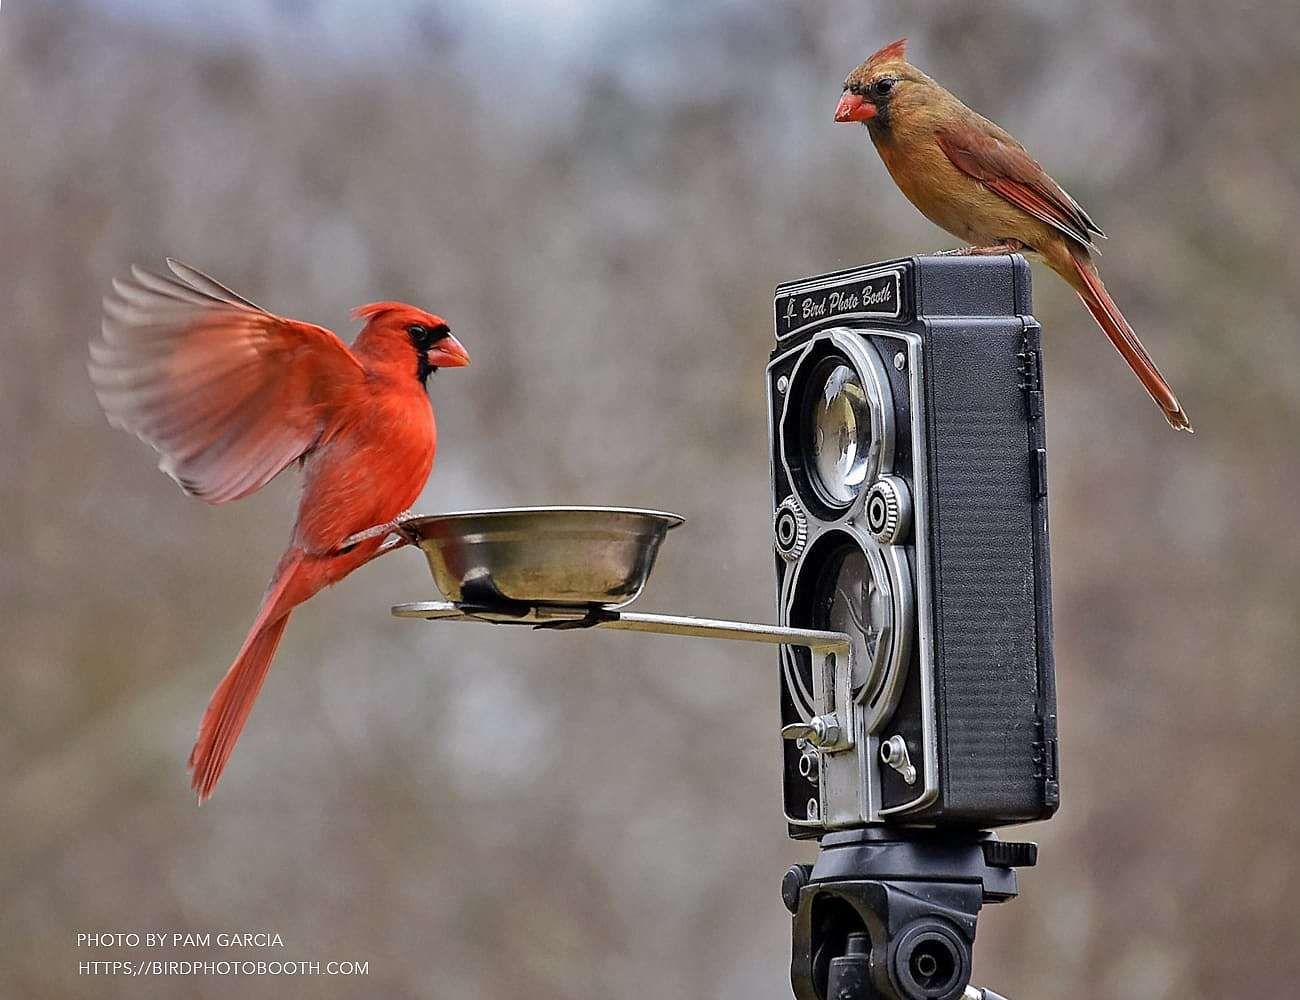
(893, 52)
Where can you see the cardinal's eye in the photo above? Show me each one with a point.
(424, 337)
(881, 88)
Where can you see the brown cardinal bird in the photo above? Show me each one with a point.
(231, 395)
(970, 177)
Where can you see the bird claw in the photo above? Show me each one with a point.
(997, 250)
(397, 526)
(402, 528)
(365, 536)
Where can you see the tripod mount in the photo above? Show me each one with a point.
(890, 913)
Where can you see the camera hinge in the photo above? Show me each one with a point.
(1046, 760)
(1031, 381)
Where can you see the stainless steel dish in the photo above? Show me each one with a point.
(550, 556)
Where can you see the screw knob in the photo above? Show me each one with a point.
(819, 731)
(1009, 854)
(792, 884)
(791, 528)
(888, 510)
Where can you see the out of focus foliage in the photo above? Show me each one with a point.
(602, 212)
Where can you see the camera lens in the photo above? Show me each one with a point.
(854, 602)
(844, 583)
(837, 432)
(837, 424)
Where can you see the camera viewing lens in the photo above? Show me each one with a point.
(837, 432)
(837, 424)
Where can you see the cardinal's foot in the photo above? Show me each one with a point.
(1010, 246)
(397, 526)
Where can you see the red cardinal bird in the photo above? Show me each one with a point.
(970, 177)
(231, 395)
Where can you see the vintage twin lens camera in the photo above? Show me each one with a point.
(910, 494)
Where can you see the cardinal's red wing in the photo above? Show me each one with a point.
(1003, 166)
(228, 393)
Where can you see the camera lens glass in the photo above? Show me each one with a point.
(852, 601)
(837, 432)
(844, 584)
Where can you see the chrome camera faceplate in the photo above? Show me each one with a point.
(880, 670)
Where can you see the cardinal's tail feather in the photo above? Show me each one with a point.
(1094, 295)
(233, 699)
(230, 705)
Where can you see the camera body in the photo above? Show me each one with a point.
(909, 486)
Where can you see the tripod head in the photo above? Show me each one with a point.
(891, 914)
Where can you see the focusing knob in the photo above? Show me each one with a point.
(888, 510)
(791, 528)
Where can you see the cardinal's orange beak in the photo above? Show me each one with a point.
(448, 353)
(854, 108)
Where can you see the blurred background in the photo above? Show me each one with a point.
(601, 197)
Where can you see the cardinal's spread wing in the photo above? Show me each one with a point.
(228, 393)
(1003, 166)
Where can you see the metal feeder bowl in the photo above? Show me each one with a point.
(558, 557)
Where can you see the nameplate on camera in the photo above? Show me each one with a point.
(861, 294)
